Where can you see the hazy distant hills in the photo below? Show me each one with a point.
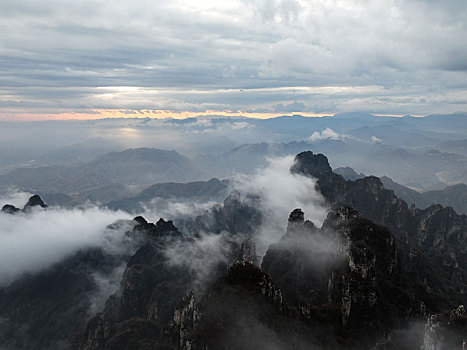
(419, 168)
(78, 142)
(399, 131)
(78, 153)
(144, 166)
(118, 175)
(201, 191)
(454, 196)
(423, 153)
(106, 177)
(456, 146)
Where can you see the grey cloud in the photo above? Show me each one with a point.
(403, 45)
(293, 107)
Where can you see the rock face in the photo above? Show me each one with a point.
(433, 240)
(237, 215)
(351, 264)
(179, 332)
(301, 261)
(49, 310)
(446, 331)
(241, 310)
(149, 291)
(249, 251)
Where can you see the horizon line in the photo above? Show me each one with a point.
(102, 114)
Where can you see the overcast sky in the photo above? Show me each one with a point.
(382, 56)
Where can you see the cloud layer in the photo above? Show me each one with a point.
(32, 242)
(274, 55)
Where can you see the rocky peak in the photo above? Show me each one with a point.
(314, 165)
(339, 217)
(249, 251)
(9, 209)
(297, 225)
(233, 198)
(331, 185)
(140, 220)
(297, 216)
(250, 277)
(184, 321)
(35, 201)
(162, 229)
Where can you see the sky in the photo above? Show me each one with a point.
(101, 58)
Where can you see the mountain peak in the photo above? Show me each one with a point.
(35, 201)
(309, 164)
(297, 215)
(140, 220)
(9, 209)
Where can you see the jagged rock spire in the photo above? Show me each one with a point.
(35, 201)
(297, 215)
(249, 251)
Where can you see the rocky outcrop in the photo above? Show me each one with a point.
(433, 241)
(9, 209)
(149, 291)
(249, 251)
(237, 215)
(446, 331)
(351, 264)
(33, 201)
(240, 310)
(301, 261)
(373, 289)
(342, 285)
(179, 332)
(152, 285)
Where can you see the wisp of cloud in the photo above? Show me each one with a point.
(281, 192)
(34, 241)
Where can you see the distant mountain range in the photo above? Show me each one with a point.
(454, 196)
(119, 175)
(111, 176)
(198, 191)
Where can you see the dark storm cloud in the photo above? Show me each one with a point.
(181, 54)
